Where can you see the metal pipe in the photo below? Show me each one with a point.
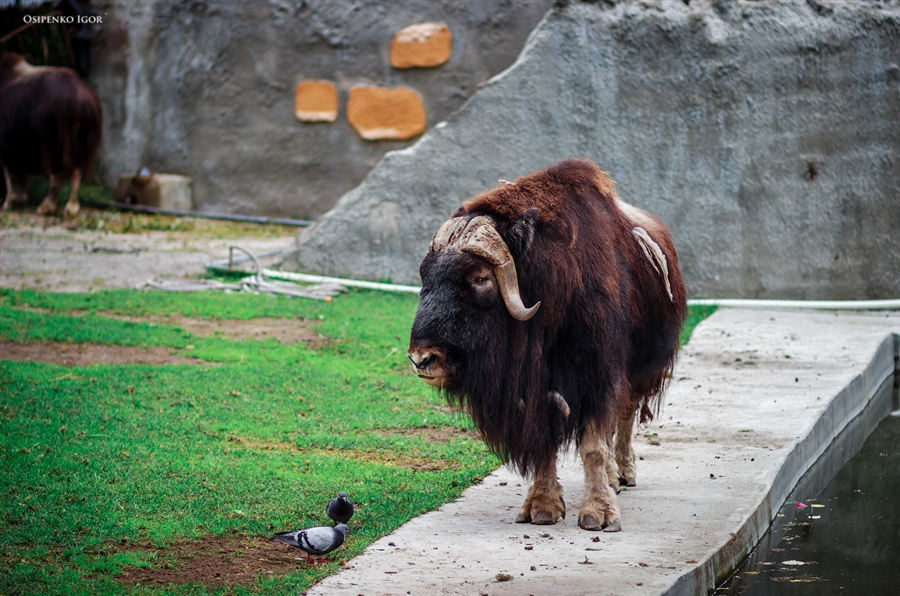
(301, 223)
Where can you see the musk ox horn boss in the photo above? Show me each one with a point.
(550, 311)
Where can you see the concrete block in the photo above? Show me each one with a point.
(421, 46)
(163, 191)
(316, 101)
(378, 113)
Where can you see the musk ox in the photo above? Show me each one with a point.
(550, 311)
(50, 124)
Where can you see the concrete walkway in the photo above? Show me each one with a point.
(57, 259)
(756, 398)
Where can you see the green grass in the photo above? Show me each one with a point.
(254, 441)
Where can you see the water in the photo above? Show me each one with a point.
(843, 540)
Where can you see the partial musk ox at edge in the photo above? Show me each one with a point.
(50, 124)
(550, 311)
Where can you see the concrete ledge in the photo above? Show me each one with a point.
(757, 398)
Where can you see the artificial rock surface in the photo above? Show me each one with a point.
(206, 89)
(765, 134)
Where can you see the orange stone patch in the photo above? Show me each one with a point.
(421, 46)
(378, 113)
(316, 101)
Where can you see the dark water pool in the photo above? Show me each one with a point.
(844, 539)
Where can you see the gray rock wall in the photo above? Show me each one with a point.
(766, 134)
(206, 89)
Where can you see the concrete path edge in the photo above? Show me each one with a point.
(862, 403)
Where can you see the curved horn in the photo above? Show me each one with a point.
(509, 289)
(483, 241)
(448, 234)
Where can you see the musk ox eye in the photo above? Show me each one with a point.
(480, 280)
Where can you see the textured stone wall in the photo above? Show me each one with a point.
(766, 134)
(209, 89)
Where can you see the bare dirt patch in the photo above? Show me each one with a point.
(419, 464)
(65, 354)
(442, 434)
(215, 562)
(285, 331)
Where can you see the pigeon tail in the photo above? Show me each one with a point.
(287, 538)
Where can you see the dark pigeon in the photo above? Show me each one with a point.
(340, 508)
(316, 541)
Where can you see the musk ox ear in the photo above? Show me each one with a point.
(521, 232)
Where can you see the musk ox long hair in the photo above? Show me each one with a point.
(606, 331)
(50, 120)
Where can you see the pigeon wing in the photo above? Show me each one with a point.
(320, 540)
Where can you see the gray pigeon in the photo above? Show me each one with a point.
(340, 508)
(318, 541)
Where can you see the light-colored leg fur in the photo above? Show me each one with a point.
(544, 504)
(612, 469)
(13, 193)
(599, 510)
(627, 466)
(48, 205)
(72, 205)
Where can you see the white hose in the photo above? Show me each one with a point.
(262, 274)
(890, 304)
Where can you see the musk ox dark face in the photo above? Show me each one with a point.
(470, 289)
(460, 308)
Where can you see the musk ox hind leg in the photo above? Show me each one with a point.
(599, 510)
(627, 466)
(544, 504)
(48, 205)
(72, 205)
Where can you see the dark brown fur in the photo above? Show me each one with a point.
(605, 336)
(50, 121)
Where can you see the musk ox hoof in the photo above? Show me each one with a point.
(615, 526)
(626, 481)
(46, 208)
(544, 518)
(589, 522)
(616, 487)
(71, 210)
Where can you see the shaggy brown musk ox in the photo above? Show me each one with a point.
(50, 123)
(550, 311)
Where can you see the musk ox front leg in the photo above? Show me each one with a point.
(15, 190)
(544, 504)
(599, 510)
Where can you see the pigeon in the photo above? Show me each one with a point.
(318, 541)
(340, 508)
